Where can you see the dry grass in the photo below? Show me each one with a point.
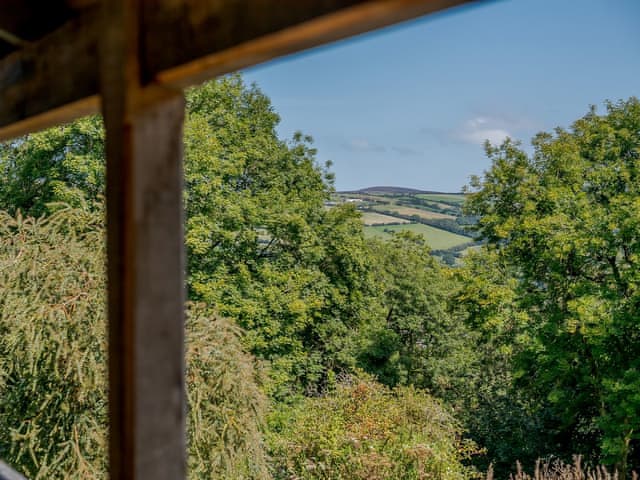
(557, 470)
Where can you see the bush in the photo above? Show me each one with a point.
(226, 404)
(53, 403)
(52, 346)
(364, 430)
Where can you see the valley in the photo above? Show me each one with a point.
(437, 216)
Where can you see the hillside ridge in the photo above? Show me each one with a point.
(400, 190)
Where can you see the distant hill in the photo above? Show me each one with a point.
(437, 216)
(388, 190)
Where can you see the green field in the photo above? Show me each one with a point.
(373, 218)
(381, 211)
(443, 197)
(436, 238)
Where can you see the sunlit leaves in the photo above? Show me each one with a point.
(567, 221)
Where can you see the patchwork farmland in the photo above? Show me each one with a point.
(371, 218)
(437, 216)
(436, 238)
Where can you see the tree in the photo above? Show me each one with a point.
(262, 248)
(63, 164)
(414, 339)
(312, 296)
(510, 424)
(567, 219)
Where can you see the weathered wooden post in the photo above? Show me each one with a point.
(145, 259)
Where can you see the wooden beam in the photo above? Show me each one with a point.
(182, 42)
(31, 19)
(66, 113)
(52, 80)
(183, 48)
(145, 248)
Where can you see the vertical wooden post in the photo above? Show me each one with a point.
(145, 249)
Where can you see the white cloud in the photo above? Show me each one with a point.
(479, 135)
(479, 129)
(363, 145)
(477, 122)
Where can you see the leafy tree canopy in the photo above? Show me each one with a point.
(64, 164)
(262, 248)
(415, 339)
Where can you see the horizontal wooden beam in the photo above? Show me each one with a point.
(31, 19)
(52, 80)
(182, 43)
(187, 49)
(55, 116)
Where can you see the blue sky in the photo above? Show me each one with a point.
(411, 105)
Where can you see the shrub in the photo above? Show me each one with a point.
(226, 404)
(52, 346)
(53, 407)
(364, 430)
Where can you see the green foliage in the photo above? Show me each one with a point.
(62, 164)
(53, 361)
(567, 220)
(532, 342)
(504, 420)
(363, 430)
(226, 404)
(262, 247)
(52, 351)
(414, 339)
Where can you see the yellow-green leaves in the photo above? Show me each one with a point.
(567, 222)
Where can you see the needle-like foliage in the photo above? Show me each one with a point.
(53, 403)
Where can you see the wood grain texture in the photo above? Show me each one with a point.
(45, 82)
(145, 248)
(146, 292)
(181, 43)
